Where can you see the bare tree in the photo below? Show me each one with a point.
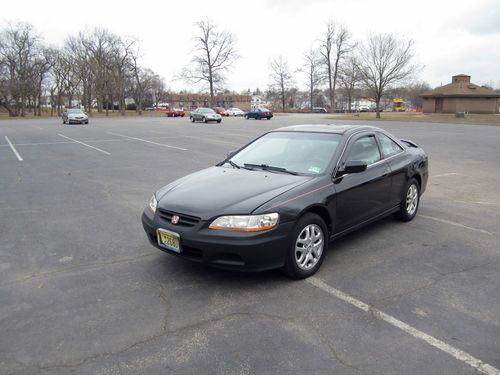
(350, 78)
(312, 69)
(214, 53)
(335, 45)
(281, 78)
(19, 47)
(385, 61)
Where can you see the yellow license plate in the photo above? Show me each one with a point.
(169, 240)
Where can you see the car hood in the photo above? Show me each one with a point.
(77, 115)
(220, 191)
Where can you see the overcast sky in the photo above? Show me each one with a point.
(450, 37)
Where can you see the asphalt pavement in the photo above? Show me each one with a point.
(83, 292)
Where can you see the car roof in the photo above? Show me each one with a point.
(326, 128)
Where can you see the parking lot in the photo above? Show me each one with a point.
(83, 292)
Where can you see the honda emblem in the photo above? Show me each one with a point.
(175, 219)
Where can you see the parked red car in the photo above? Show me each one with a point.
(221, 111)
(175, 112)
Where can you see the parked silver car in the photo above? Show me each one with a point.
(74, 116)
(205, 115)
(235, 112)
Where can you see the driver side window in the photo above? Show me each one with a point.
(364, 149)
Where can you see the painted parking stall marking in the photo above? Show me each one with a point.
(84, 144)
(13, 149)
(145, 140)
(465, 357)
(449, 222)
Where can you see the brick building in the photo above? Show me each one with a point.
(460, 96)
(193, 101)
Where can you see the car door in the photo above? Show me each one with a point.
(398, 162)
(364, 195)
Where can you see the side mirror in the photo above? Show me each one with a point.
(352, 166)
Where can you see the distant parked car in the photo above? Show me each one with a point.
(235, 112)
(364, 108)
(175, 112)
(318, 110)
(221, 111)
(75, 116)
(205, 115)
(259, 114)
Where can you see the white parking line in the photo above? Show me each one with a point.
(145, 140)
(441, 345)
(458, 225)
(446, 174)
(13, 149)
(84, 144)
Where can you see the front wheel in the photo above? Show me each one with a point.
(246, 117)
(204, 119)
(307, 247)
(410, 201)
(218, 121)
(192, 119)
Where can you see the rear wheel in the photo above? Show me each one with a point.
(218, 121)
(409, 202)
(307, 247)
(192, 119)
(204, 119)
(246, 117)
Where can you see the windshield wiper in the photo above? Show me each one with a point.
(233, 164)
(270, 168)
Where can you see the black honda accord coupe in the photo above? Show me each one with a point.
(279, 200)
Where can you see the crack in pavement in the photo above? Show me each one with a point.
(334, 352)
(200, 324)
(434, 281)
(45, 275)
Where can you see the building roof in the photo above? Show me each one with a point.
(460, 87)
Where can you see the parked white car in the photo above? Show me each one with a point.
(235, 112)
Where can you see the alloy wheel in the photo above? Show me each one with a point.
(309, 247)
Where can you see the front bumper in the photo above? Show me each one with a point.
(225, 249)
(77, 120)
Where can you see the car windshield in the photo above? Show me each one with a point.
(75, 110)
(299, 152)
(206, 110)
(264, 110)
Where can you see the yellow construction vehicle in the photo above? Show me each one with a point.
(398, 105)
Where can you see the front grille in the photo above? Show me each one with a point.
(184, 220)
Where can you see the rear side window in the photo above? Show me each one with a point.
(365, 149)
(389, 147)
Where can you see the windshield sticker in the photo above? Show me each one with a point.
(314, 169)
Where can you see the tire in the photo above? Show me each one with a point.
(305, 263)
(219, 121)
(246, 117)
(64, 121)
(86, 122)
(269, 118)
(204, 119)
(192, 119)
(409, 201)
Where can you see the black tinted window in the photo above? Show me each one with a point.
(389, 147)
(365, 149)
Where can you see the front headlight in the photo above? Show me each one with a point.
(152, 203)
(248, 223)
